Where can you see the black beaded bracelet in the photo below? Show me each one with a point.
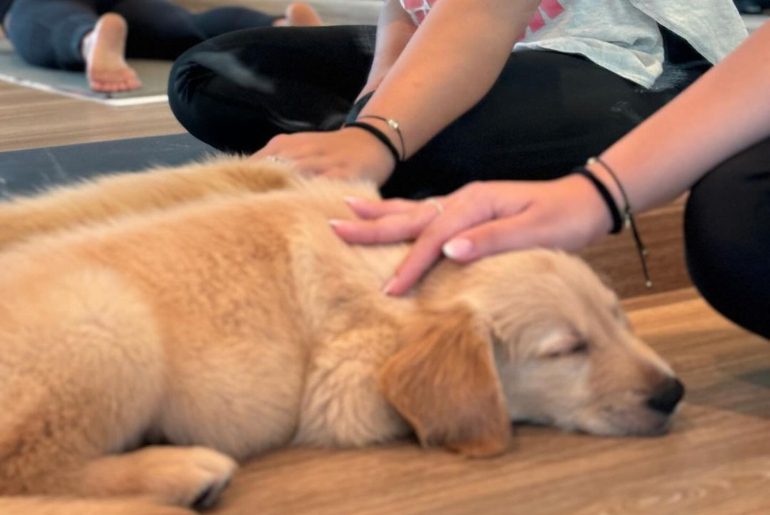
(377, 133)
(612, 206)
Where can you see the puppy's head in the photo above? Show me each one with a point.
(532, 336)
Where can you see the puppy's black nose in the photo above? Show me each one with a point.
(667, 396)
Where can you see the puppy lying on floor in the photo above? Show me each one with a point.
(211, 307)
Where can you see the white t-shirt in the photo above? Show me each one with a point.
(623, 35)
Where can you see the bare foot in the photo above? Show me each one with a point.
(299, 14)
(104, 51)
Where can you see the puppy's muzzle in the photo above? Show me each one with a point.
(667, 396)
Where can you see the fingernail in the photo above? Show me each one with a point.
(335, 222)
(457, 249)
(352, 200)
(387, 289)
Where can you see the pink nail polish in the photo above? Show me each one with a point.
(457, 249)
(389, 286)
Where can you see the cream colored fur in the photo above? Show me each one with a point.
(212, 307)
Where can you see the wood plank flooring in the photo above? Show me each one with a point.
(31, 119)
(715, 461)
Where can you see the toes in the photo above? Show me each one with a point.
(301, 14)
(115, 86)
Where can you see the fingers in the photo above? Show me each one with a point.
(482, 219)
(292, 149)
(393, 229)
(476, 221)
(386, 221)
(552, 224)
(504, 234)
(263, 152)
(428, 246)
(342, 154)
(370, 209)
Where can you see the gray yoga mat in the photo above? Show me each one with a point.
(28, 171)
(154, 76)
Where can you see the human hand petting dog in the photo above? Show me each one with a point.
(347, 153)
(478, 220)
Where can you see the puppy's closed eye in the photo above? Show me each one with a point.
(555, 341)
(576, 348)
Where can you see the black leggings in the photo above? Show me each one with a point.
(49, 32)
(727, 238)
(546, 113)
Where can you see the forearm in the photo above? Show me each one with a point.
(449, 64)
(724, 112)
(394, 29)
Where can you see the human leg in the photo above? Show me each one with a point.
(237, 91)
(49, 34)
(220, 20)
(161, 29)
(71, 35)
(727, 238)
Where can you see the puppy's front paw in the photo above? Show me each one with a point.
(184, 476)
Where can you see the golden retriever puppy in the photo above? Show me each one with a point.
(211, 307)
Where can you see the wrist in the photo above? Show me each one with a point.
(596, 219)
(376, 134)
(375, 139)
(620, 215)
(391, 128)
(603, 175)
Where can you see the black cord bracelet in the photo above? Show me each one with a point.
(394, 125)
(628, 216)
(377, 133)
(612, 207)
(600, 161)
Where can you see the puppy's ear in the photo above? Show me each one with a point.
(445, 384)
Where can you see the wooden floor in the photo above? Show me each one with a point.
(715, 461)
(31, 119)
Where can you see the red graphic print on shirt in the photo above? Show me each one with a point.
(417, 8)
(549, 8)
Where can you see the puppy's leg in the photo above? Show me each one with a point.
(184, 476)
(83, 377)
(68, 506)
(116, 195)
